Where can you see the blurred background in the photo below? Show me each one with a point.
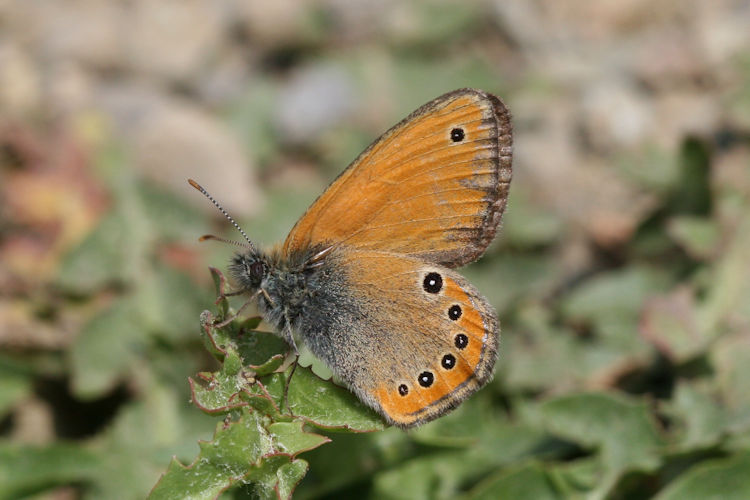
(621, 275)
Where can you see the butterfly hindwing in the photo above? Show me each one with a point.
(411, 338)
(434, 186)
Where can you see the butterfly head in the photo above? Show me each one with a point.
(249, 270)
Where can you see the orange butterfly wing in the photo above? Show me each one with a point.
(397, 320)
(434, 186)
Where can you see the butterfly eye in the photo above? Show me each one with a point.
(433, 283)
(426, 379)
(256, 269)
(449, 361)
(403, 389)
(461, 341)
(454, 312)
(457, 135)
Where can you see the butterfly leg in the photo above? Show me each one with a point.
(232, 317)
(268, 297)
(288, 335)
(224, 295)
(285, 398)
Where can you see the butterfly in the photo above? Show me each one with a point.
(366, 277)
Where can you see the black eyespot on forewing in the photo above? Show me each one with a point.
(454, 312)
(448, 361)
(403, 389)
(461, 341)
(426, 379)
(457, 134)
(432, 283)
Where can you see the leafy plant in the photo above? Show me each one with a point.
(268, 414)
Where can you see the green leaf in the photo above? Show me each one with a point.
(670, 323)
(25, 470)
(99, 259)
(353, 459)
(528, 225)
(15, 384)
(134, 449)
(288, 477)
(692, 194)
(325, 404)
(536, 336)
(263, 352)
(479, 425)
(726, 479)
(292, 438)
(105, 349)
(240, 382)
(276, 477)
(247, 385)
(571, 360)
(243, 451)
(437, 475)
(699, 421)
(220, 392)
(529, 481)
(531, 275)
(171, 217)
(621, 430)
(234, 386)
(125, 457)
(237, 448)
(699, 236)
(652, 167)
(611, 303)
(729, 289)
(576, 478)
(613, 296)
(465, 446)
(109, 254)
(731, 360)
(166, 303)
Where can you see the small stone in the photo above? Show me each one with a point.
(19, 82)
(172, 39)
(315, 99)
(616, 115)
(172, 140)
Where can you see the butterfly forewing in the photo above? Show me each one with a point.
(433, 187)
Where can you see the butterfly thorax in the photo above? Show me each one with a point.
(280, 282)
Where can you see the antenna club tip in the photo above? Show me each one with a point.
(221, 209)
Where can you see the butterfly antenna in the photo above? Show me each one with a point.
(207, 237)
(221, 209)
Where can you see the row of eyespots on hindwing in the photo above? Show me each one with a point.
(433, 284)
